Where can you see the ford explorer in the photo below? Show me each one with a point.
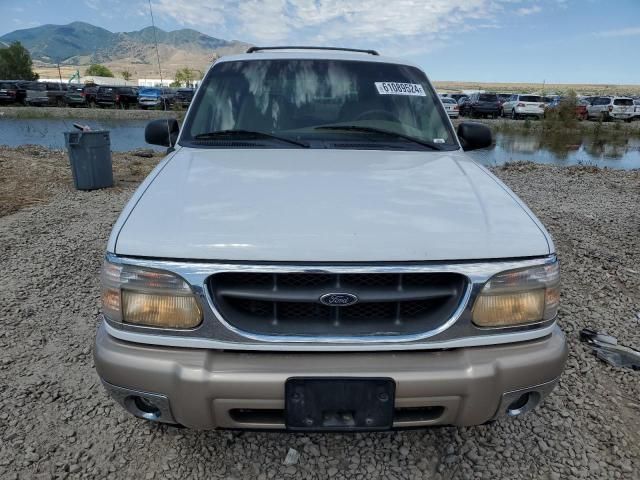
(317, 252)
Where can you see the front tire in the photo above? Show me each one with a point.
(514, 115)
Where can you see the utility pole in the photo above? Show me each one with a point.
(59, 74)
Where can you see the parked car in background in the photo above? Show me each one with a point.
(580, 109)
(81, 96)
(11, 92)
(161, 98)
(90, 95)
(611, 108)
(636, 107)
(35, 93)
(118, 97)
(481, 105)
(184, 96)
(451, 107)
(457, 96)
(503, 97)
(56, 93)
(75, 96)
(521, 106)
(462, 99)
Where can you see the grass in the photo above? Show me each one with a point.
(557, 127)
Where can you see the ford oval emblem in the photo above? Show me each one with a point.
(338, 299)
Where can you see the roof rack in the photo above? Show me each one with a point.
(293, 47)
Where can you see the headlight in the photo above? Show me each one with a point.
(519, 297)
(149, 297)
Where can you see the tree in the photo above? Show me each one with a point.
(16, 64)
(97, 70)
(186, 76)
(126, 74)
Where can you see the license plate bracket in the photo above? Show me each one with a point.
(339, 403)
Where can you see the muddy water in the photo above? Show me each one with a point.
(608, 151)
(125, 135)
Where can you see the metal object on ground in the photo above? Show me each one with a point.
(607, 349)
(90, 158)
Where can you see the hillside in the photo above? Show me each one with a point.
(79, 44)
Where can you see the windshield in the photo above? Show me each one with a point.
(623, 101)
(488, 97)
(530, 98)
(293, 98)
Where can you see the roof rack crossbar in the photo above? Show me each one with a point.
(294, 47)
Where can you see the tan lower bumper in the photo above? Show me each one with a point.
(223, 389)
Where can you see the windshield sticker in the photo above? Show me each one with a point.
(395, 88)
(438, 140)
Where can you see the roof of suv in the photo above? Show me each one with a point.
(313, 55)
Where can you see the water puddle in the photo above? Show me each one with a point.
(613, 151)
(125, 135)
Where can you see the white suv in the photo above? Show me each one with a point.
(317, 252)
(607, 108)
(521, 106)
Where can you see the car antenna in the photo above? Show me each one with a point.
(155, 38)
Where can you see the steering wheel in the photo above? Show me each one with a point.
(378, 114)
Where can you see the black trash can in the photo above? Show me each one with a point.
(90, 158)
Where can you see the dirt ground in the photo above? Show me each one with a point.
(57, 422)
(30, 175)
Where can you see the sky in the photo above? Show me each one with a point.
(552, 41)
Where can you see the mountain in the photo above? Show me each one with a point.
(80, 43)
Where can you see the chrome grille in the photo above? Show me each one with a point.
(289, 303)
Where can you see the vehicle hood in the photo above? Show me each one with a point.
(325, 205)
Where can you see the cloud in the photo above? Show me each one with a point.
(621, 32)
(401, 24)
(529, 10)
(93, 4)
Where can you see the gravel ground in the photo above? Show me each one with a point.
(57, 422)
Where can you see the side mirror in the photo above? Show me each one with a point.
(474, 135)
(162, 132)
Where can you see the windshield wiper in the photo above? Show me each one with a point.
(358, 128)
(246, 133)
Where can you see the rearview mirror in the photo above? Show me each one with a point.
(474, 135)
(162, 132)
